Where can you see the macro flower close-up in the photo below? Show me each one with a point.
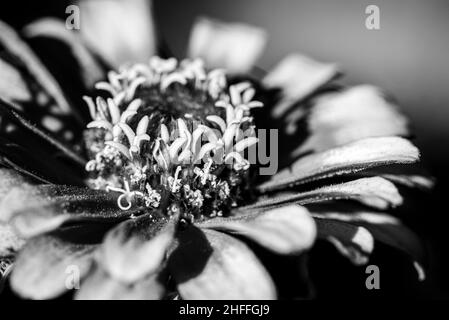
(131, 173)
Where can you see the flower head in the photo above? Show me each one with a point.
(154, 194)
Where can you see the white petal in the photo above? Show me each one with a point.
(233, 46)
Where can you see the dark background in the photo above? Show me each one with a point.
(408, 56)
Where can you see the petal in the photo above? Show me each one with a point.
(20, 50)
(34, 210)
(213, 265)
(350, 158)
(354, 242)
(137, 247)
(104, 29)
(375, 192)
(297, 76)
(412, 176)
(356, 113)
(52, 28)
(99, 285)
(10, 243)
(43, 267)
(12, 85)
(233, 46)
(285, 230)
(384, 228)
(10, 179)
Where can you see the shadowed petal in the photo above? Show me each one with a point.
(233, 46)
(384, 228)
(375, 192)
(98, 285)
(137, 247)
(213, 265)
(43, 266)
(18, 48)
(285, 230)
(354, 242)
(104, 29)
(33, 210)
(350, 158)
(356, 113)
(53, 28)
(297, 76)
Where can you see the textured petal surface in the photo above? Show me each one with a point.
(350, 158)
(285, 230)
(213, 265)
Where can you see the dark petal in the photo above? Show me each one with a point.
(103, 28)
(33, 210)
(212, 265)
(99, 285)
(55, 31)
(15, 46)
(35, 164)
(137, 247)
(350, 158)
(70, 61)
(232, 46)
(356, 113)
(29, 131)
(285, 230)
(298, 77)
(383, 227)
(45, 266)
(375, 192)
(354, 242)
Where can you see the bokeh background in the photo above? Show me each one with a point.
(408, 56)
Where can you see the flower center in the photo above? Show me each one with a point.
(172, 136)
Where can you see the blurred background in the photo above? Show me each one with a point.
(408, 56)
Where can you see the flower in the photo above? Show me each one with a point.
(156, 196)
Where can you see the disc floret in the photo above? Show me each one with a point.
(171, 136)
